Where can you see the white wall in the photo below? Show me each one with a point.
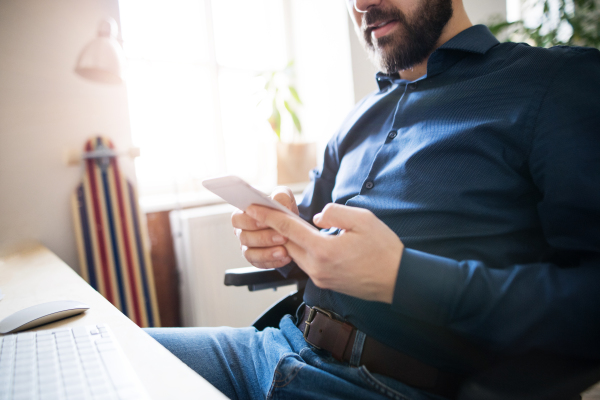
(45, 109)
(479, 11)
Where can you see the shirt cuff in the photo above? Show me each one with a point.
(426, 286)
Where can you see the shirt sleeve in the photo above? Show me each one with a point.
(553, 306)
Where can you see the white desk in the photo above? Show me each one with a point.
(31, 274)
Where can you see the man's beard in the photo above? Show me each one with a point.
(412, 41)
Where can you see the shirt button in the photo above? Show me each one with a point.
(392, 134)
(369, 185)
(412, 86)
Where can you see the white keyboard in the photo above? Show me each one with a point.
(80, 363)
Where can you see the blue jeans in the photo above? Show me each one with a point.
(244, 363)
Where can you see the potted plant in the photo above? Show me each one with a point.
(563, 22)
(295, 157)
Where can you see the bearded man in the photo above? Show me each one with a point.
(460, 216)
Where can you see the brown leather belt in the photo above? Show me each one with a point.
(323, 331)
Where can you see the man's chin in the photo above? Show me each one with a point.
(381, 61)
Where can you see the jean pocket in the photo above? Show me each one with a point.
(286, 370)
(385, 389)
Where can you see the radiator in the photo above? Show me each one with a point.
(205, 247)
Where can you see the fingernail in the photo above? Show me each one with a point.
(278, 239)
(259, 225)
(287, 260)
(317, 216)
(278, 254)
(251, 212)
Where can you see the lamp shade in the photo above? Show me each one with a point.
(102, 60)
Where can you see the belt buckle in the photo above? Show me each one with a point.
(311, 316)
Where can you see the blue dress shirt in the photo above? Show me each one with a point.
(488, 169)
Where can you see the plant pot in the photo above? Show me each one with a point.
(295, 161)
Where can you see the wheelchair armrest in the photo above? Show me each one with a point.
(259, 279)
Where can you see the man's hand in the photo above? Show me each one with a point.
(362, 261)
(263, 246)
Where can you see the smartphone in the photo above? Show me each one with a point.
(241, 194)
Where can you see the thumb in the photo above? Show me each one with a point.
(285, 197)
(338, 216)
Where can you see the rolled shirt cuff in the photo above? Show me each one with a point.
(426, 286)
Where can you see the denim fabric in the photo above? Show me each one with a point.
(244, 363)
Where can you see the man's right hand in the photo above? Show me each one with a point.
(262, 246)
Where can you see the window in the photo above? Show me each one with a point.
(194, 80)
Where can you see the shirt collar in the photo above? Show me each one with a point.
(477, 39)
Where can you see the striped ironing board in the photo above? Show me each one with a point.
(111, 238)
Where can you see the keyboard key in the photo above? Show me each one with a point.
(9, 339)
(49, 379)
(25, 369)
(23, 390)
(75, 393)
(105, 397)
(26, 337)
(67, 355)
(48, 365)
(23, 395)
(50, 396)
(80, 331)
(50, 386)
(7, 362)
(89, 357)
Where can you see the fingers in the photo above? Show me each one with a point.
(285, 197)
(297, 253)
(294, 229)
(261, 245)
(339, 216)
(272, 257)
(262, 238)
(241, 220)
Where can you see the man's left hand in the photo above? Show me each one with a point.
(362, 261)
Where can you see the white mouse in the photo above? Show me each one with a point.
(41, 314)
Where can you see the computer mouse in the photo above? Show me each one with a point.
(41, 314)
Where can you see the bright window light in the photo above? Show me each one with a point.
(192, 84)
(194, 80)
(513, 10)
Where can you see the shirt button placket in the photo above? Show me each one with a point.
(392, 134)
(369, 184)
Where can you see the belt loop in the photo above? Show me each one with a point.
(357, 348)
(299, 314)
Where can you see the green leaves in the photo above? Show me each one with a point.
(275, 120)
(294, 116)
(563, 22)
(294, 94)
(283, 98)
